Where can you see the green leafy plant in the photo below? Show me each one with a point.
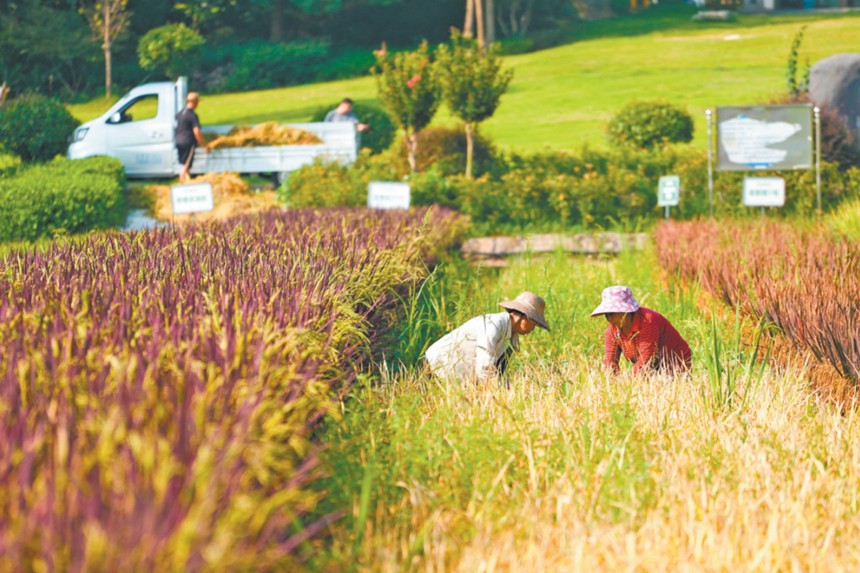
(408, 89)
(472, 84)
(35, 127)
(648, 124)
(62, 196)
(169, 49)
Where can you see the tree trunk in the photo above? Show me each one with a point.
(411, 140)
(469, 150)
(107, 50)
(491, 22)
(468, 23)
(276, 32)
(479, 20)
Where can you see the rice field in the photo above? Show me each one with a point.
(742, 466)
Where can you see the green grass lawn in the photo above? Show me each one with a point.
(563, 97)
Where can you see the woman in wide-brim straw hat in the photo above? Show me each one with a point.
(642, 335)
(480, 348)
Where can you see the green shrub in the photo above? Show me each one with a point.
(445, 149)
(324, 184)
(647, 124)
(381, 133)
(261, 65)
(170, 49)
(35, 127)
(63, 195)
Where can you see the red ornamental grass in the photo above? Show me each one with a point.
(158, 389)
(806, 283)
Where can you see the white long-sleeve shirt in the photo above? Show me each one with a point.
(473, 349)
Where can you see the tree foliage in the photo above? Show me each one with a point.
(168, 49)
(472, 83)
(408, 89)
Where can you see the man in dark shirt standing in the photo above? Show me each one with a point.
(188, 135)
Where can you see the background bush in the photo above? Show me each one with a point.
(647, 124)
(590, 189)
(35, 127)
(267, 65)
(382, 129)
(63, 195)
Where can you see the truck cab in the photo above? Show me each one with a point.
(137, 130)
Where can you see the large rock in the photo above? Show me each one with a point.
(835, 82)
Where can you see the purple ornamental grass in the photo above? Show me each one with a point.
(158, 389)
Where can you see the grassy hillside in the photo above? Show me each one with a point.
(563, 97)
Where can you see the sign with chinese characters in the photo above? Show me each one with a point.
(764, 191)
(669, 191)
(191, 198)
(388, 195)
(775, 137)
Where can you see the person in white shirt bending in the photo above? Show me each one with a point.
(480, 348)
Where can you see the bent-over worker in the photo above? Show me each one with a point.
(642, 335)
(481, 347)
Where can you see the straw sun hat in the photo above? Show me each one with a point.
(530, 305)
(616, 299)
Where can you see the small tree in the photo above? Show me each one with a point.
(408, 90)
(168, 49)
(108, 19)
(796, 88)
(472, 83)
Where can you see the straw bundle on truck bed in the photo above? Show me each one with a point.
(268, 133)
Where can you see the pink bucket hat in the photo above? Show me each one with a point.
(616, 299)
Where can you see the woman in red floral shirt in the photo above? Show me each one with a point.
(642, 335)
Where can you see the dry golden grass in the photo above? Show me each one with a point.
(231, 194)
(267, 133)
(571, 470)
(773, 487)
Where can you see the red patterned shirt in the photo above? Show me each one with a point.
(652, 343)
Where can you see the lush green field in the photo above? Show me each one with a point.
(563, 97)
(571, 470)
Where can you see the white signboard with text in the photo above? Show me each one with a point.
(388, 195)
(191, 198)
(764, 191)
(669, 191)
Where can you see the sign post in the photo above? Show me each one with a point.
(191, 198)
(388, 195)
(669, 192)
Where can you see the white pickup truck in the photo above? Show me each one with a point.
(139, 131)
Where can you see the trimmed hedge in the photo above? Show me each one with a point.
(589, 189)
(648, 124)
(71, 196)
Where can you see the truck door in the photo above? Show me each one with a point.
(142, 138)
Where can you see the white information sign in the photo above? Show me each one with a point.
(764, 191)
(388, 195)
(191, 198)
(669, 191)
